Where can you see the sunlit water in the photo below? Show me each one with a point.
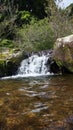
(37, 103)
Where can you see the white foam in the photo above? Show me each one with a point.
(26, 76)
(32, 67)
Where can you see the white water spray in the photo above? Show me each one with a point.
(35, 65)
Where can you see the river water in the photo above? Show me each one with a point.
(37, 103)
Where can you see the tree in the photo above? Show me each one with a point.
(60, 22)
(37, 8)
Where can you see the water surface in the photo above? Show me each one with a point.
(40, 103)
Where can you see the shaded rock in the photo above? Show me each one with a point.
(14, 61)
(2, 68)
(10, 62)
(54, 67)
(63, 53)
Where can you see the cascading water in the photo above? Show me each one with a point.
(35, 65)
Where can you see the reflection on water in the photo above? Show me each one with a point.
(43, 103)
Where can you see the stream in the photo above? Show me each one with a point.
(35, 99)
(37, 103)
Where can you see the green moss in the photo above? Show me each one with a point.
(9, 61)
(59, 62)
(67, 54)
(2, 62)
(70, 66)
(16, 59)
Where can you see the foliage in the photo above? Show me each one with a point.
(69, 10)
(1, 17)
(23, 17)
(33, 25)
(37, 36)
(60, 23)
(7, 29)
(37, 8)
(6, 43)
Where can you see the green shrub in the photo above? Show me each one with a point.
(23, 17)
(37, 36)
(7, 43)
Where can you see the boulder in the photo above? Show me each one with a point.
(13, 62)
(10, 61)
(63, 53)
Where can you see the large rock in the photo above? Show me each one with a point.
(13, 62)
(10, 61)
(63, 53)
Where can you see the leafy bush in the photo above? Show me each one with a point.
(61, 24)
(7, 30)
(37, 36)
(6, 43)
(23, 17)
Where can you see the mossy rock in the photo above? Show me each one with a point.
(10, 62)
(63, 52)
(13, 62)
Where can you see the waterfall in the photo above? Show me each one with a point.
(35, 65)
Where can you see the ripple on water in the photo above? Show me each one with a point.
(41, 103)
(39, 109)
(44, 86)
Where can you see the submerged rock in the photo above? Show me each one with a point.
(63, 53)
